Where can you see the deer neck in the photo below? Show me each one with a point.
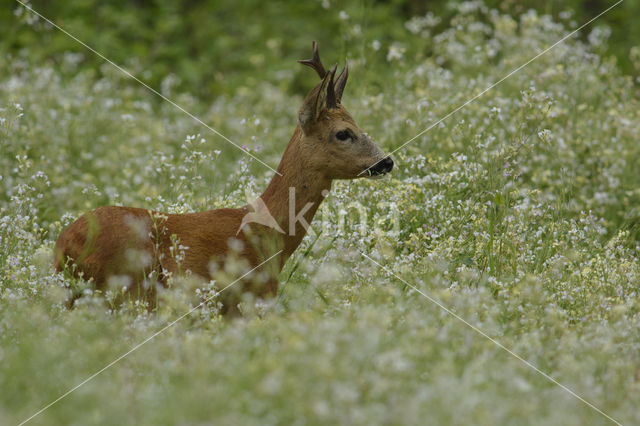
(294, 195)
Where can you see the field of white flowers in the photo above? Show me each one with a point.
(519, 213)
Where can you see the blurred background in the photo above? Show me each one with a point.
(217, 47)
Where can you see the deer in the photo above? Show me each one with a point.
(136, 243)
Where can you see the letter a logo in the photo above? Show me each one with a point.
(259, 215)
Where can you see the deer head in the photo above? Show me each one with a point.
(332, 141)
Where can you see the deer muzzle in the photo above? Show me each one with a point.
(381, 168)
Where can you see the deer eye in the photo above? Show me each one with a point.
(343, 135)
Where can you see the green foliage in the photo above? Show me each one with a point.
(208, 48)
(212, 48)
(519, 213)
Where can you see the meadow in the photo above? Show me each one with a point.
(520, 213)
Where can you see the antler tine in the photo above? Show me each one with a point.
(315, 62)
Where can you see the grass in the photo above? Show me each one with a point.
(519, 214)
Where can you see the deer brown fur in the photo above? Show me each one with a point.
(327, 144)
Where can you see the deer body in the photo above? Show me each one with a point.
(326, 145)
(135, 242)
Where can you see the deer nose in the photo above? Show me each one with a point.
(383, 166)
(387, 164)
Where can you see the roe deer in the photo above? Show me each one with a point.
(327, 144)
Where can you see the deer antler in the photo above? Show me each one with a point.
(336, 85)
(315, 62)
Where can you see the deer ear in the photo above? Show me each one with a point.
(342, 81)
(331, 101)
(326, 95)
(313, 105)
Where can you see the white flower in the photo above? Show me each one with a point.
(396, 51)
